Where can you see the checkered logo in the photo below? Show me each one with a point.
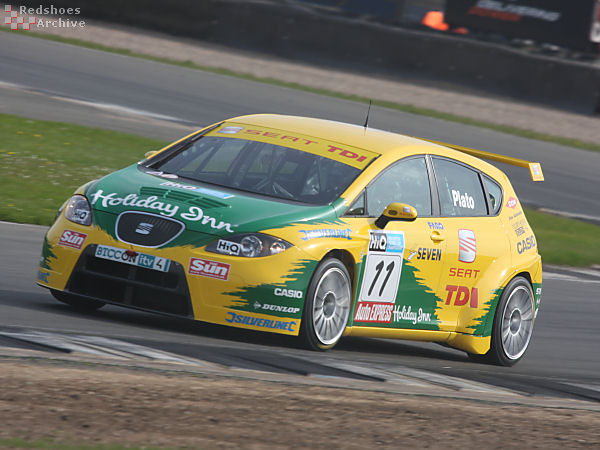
(14, 20)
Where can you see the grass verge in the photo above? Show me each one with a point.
(565, 241)
(44, 162)
(522, 132)
(53, 445)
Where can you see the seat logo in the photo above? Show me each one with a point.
(467, 246)
(144, 228)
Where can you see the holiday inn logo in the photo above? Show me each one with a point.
(24, 16)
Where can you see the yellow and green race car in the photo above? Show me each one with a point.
(308, 227)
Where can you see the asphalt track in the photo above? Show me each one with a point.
(563, 358)
(193, 97)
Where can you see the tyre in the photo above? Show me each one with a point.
(327, 305)
(79, 303)
(513, 325)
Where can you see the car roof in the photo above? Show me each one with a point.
(371, 139)
(378, 141)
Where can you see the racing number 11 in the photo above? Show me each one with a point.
(382, 267)
(379, 269)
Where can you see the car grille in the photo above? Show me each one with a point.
(147, 230)
(127, 285)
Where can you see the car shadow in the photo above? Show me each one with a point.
(44, 302)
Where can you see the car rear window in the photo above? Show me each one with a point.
(460, 189)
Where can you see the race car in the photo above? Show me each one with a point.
(312, 228)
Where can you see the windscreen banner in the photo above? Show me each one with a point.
(571, 24)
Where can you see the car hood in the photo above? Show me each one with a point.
(201, 207)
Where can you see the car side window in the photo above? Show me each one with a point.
(494, 195)
(358, 207)
(460, 189)
(407, 182)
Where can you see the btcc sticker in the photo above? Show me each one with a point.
(462, 200)
(467, 246)
(462, 295)
(193, 214)
(287, 325)
(72, 239)
(133, 258)
(383, 267)
(406, 314)
(210, 269)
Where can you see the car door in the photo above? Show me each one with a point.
(400, 270)
(477, 244)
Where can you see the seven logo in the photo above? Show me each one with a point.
(210, 269)
(467, 246)
(72, 239)
(511, 203)
(430, 254)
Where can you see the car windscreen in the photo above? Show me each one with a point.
(261, 168)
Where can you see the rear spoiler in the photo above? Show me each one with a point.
(535, 169)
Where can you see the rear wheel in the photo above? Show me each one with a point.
(80, 303)
(327, 305)
(513, 325)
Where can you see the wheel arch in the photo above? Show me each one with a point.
(307, 330)
(525, 274)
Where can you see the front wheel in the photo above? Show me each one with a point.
(513, 324)
(327, 305)
(79, 303)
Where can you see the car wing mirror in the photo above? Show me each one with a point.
(396, 211)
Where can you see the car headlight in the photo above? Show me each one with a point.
(78, 210)
(250, 245)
